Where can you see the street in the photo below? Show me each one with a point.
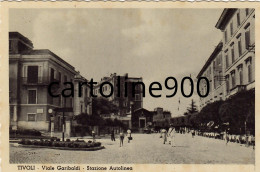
(143, 149)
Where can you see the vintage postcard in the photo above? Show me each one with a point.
(129, 86)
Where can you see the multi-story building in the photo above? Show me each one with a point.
(30, 73)
(83, 102)
(122, 97)
(213, 71)
(161, 117)
(238, 27)
(231, 66)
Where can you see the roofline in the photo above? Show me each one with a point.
(212, 56)
(47, 51)
(19, 35)
(224, 18)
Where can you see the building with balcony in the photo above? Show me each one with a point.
(231, 66)
(30, 73)
(213, 71)
(238, 27)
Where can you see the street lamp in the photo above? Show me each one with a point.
(131, 113)
(52, 119)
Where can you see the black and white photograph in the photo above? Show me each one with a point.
(131, 86)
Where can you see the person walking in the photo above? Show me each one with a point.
(171, 134)
(193, 133)
(164, 135)
(122, 136)
(113, 135)
(129, 135)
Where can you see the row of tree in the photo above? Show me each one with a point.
(236, 114)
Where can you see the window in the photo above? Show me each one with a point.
(231, 28)
(233, 79)
(32, 96)
(225, 36)
(241, 76)
(227, 84)
(220, 75)
(81, 108)
(249, 73)
(232, 54)
(238, 18)
(32, 74)
(227, 61)
(239, 47)
(247, 39)
(31, 117)
(215, 82)
(247, 11)
(52, 74)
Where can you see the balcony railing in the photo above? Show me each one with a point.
(37, 80)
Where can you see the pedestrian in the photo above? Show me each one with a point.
(226, 137)
(113, 135)
(171, 134)
(94, 135)
(164, 135)
(129, 135)
(122, 136)
(193, 133)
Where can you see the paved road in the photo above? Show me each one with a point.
(146, 149)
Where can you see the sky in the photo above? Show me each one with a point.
(150, 43)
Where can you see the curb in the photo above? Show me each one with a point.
(64, 148)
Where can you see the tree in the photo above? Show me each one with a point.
(239, 109)
(193, 108)
(89, 120)
(103, 106)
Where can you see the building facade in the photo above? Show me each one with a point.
(213, 71)
(30, 73)
(161, 118)
(238, 27)
(142, 118)
(231, 66)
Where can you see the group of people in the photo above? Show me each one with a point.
(170, 134)
(122, 136)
